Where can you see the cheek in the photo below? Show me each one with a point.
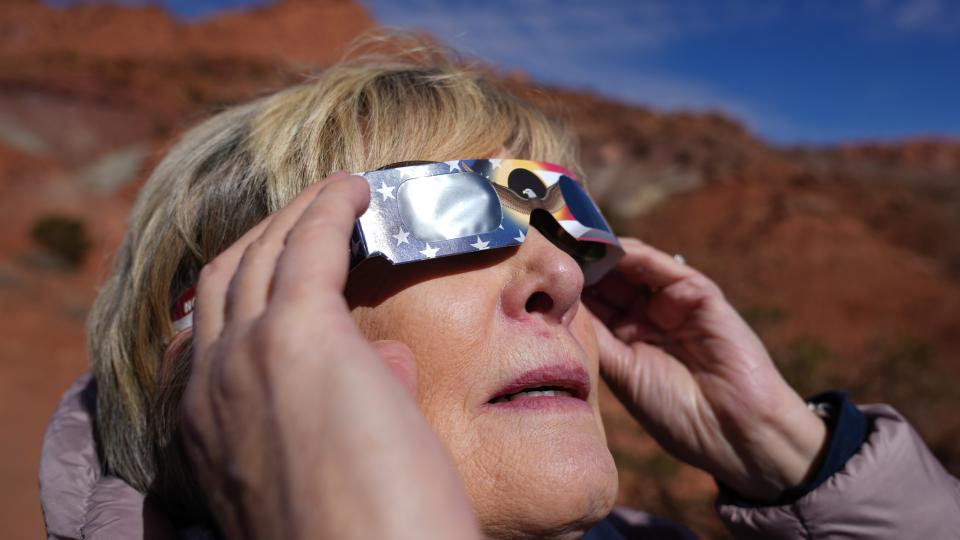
(425, 316)
(446, 330)
(446, 337)
(512, 468)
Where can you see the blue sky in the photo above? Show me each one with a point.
(815, 71)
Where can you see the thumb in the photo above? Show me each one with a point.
(616, 358)
(630, 370)
(400, 361)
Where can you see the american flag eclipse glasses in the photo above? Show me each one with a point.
(424, 210)
(434, 209)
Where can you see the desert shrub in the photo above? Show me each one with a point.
(64, 237)
(903, 371)
(683, 157)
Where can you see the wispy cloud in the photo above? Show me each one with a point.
(606, 49)
(671, 93)
(817, 70)
(937, 17)
(618, 23)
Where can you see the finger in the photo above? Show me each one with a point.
(646, 265)
(400, 361)
(616, 290)
(634, 324)
(615, 356)
(208, 315)
(672, 306)
(250, 286)
(632, 370)
(215, 280)
(603, 311)
(630, 323)
(312, 269)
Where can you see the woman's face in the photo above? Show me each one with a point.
(489, 331)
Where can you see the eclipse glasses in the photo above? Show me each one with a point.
(424, 210)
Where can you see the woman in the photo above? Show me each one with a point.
(454, 397)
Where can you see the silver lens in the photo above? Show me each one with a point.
(449, 206)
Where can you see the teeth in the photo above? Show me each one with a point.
(532, 393)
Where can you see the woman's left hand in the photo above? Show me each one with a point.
(691, 370)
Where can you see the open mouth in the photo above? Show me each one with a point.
(539, 391)
(559, 381)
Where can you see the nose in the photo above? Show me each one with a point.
(546, 282)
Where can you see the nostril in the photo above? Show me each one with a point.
(539, 302)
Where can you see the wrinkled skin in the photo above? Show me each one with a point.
(474, 323)
(690, 369)
(294, 422)
(304, 421)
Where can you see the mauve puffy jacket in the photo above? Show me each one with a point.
(893, 488)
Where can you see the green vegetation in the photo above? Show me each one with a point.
(802, 363)
(758, 316)
(903, 372)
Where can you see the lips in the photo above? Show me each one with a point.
(555, 382)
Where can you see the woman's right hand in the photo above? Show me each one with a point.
(693, 372)
(298, 427)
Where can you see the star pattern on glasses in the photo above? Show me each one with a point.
(480, 245)
(401, 237)
(401, 245)
(386, 191)
(429, 252)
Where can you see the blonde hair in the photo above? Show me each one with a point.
(229, 172)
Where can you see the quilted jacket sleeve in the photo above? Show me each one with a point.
(893, 488)
(78, 501)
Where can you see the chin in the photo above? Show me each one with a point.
(554, 482)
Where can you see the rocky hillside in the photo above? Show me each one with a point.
(845, 258)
